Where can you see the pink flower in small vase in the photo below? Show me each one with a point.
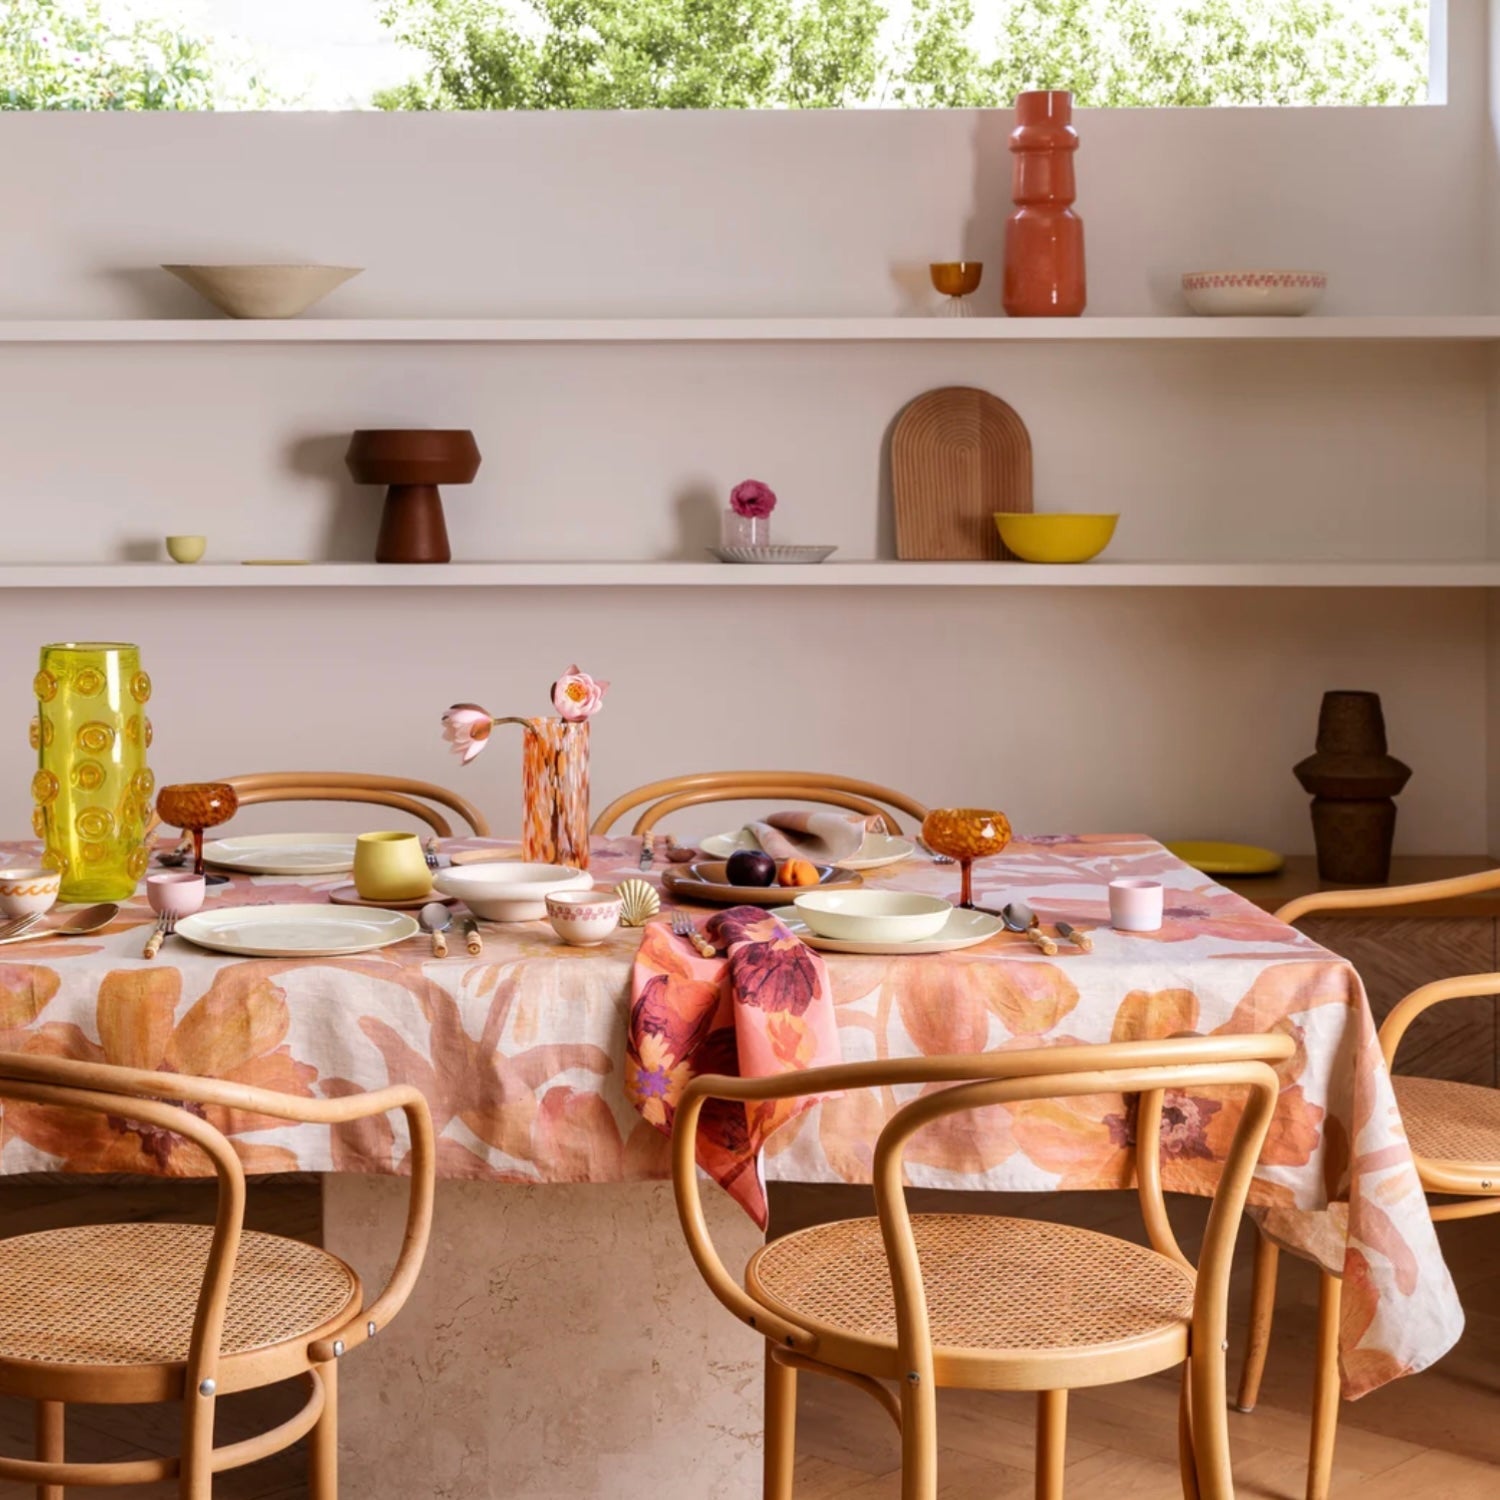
(576, 696)
(752, 498)
(466, 726)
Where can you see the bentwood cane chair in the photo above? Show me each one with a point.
(867, 798)
(1454, 1131)
(143, 1313)
(995, 1303)
(355, 786)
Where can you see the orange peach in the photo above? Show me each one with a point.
(797, 872)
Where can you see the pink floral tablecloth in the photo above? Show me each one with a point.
(522, 1055)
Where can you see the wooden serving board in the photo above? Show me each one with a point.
(958, 455)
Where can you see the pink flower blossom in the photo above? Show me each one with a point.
(752, 498)
(466, 726)
(577, 696)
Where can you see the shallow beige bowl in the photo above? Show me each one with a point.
(27, 891)
(874, 916)
(264, 291)
(509, 891)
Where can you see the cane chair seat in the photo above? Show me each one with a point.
(1001, 1294)
(1456, 1124)
(113, 1305)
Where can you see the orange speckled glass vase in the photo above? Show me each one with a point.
(1044, 276)
(555, 792)
(92, 788)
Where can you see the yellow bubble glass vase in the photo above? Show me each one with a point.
(92, 790)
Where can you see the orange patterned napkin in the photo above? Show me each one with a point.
(764, 1008)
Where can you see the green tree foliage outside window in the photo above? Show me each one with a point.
(820, 54)
(761, 54)
(71, 54)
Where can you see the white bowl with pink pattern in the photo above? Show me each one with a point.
(1253, 294)
(583, 918)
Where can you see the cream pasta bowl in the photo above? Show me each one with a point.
(508, 890)
(874, 916)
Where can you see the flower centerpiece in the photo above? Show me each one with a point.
(747, 522)
(554, 766)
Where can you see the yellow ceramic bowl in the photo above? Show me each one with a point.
(1055, 538)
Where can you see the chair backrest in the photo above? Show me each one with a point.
(1147, 1069)
(356, 786)
(867, 798)
(164, 1101)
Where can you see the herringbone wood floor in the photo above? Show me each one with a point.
(1433, 1437)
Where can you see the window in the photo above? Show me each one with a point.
(706, 54)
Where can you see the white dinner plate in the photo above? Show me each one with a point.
(878, 849)
(296, 931)
(963, 930)
(283, 853)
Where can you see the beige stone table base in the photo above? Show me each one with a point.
(559, 1346)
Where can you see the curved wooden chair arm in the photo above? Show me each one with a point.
(847, 800)
(1462, 986)
(170, 1090)
(1035, 1073)
(777, 781)
(397, 792)
(229, 1214)
(1389, 895)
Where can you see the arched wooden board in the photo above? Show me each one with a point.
(958, 455)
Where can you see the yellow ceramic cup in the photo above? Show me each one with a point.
(391, 867)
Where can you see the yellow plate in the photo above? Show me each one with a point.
(1051, 537)
(1226, 859)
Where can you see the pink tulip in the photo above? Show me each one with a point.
(752, 498)
(466, 726)
(577, 696)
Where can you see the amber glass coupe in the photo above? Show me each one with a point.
(194, 806)
(966, 834)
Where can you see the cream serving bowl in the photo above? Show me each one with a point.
(874, 916)
(507, 891)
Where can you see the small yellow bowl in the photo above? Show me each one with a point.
(186, 549)
(1055, 538)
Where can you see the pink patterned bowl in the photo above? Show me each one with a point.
(583, 918)
(1252, 294)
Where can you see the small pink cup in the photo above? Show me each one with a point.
(175, 893)
(1135, 905)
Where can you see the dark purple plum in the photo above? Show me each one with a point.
(750, 867)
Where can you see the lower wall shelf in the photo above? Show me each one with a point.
(868, 574)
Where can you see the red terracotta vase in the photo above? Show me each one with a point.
(1044, 238)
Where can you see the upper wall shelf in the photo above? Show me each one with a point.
(1446, 328)
(870, 574)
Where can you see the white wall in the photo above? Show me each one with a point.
(1178, 713)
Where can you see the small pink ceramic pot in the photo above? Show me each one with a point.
(1135, 905)
(175, 893)
(583, 918)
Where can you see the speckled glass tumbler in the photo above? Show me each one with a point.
(92, 788)
(555, 792)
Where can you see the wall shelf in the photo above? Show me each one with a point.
(1480, 328)
(883, 574)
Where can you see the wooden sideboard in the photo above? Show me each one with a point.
(1401, 947)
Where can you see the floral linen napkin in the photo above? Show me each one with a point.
(764, 1008)
(823, 837)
